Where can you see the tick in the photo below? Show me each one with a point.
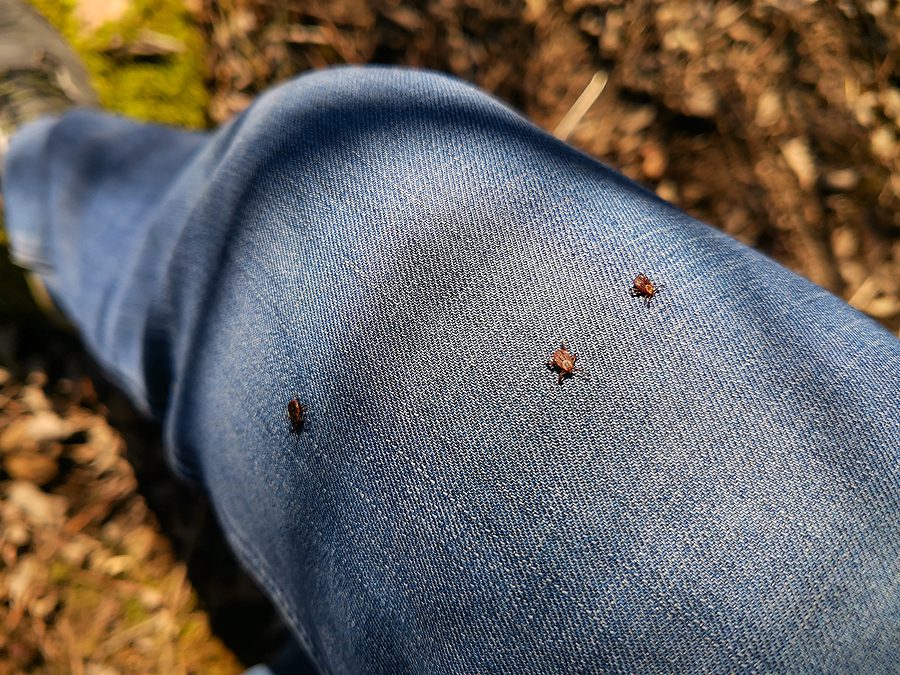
(297, 415)
(563, 361)
(642, 287)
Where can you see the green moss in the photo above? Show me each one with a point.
(59, 572)
(168, 89)
(61, 14)
(82, 601)
(134, 612)
(190, 629)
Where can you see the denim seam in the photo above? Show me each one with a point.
(317, 448)
(188, 469)
(261, 570)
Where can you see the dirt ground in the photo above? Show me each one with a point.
(778, 122)
(775, 121)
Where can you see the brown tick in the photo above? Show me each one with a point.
(563, 361)
(297, 415)
(642, 287)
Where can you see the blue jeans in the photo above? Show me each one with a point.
(717, 492)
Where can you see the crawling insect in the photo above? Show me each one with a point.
(642, 287)
(297, 415)
(563, 361)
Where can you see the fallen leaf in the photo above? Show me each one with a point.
(799, 157)
(27, 432)
(38, 469)
(38, 507)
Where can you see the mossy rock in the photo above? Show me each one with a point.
(166, 88)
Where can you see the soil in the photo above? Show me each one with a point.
(777, 122)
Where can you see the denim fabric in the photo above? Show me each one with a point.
(718, 493)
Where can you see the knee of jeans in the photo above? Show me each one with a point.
(353, 100)
(370, 142)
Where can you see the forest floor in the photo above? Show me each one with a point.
(777, 122)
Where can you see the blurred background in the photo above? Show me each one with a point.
(777, 122)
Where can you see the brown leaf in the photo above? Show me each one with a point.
(38, 507)
(27, 432)
(38, 469)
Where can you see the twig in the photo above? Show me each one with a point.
(863, 295)
(584, 102)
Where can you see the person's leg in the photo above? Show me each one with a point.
(402, 253)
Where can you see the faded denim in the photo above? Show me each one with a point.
(402, 253)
